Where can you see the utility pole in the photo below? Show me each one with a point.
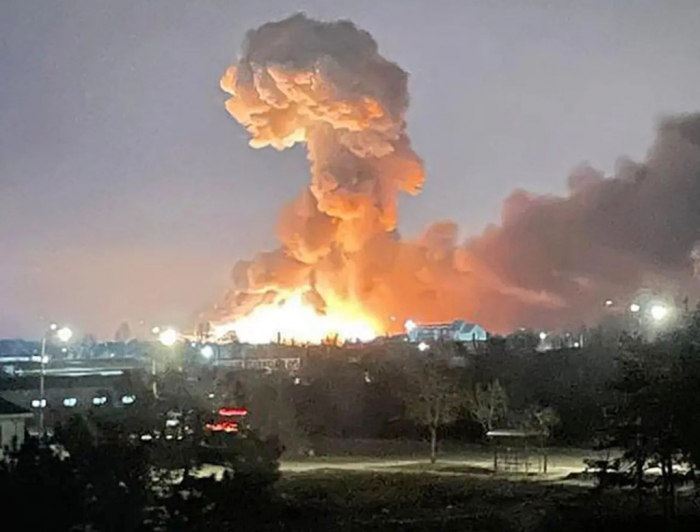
(153, 375)
(42, 374)
(64, 334)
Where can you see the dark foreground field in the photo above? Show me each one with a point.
(344, 500)
(382, 489)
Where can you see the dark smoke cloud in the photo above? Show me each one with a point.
(610, 237)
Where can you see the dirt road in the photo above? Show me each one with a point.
(560, 464)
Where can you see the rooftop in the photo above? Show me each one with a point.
(512, 433)
(453, 325)
(9, 409)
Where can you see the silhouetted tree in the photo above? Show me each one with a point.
(40, 491)
(241, 500)
(203, 330)
(272, 408)
(123, 333)
(434, 397)
(86, 347)
(655, 418)
(490, 404)
(113, 469)
(230, 390)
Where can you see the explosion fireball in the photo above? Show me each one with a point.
(294, 319)
(324, 85)
(342, 268)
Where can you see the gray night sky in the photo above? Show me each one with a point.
(127, 192)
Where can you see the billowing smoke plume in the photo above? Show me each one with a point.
(610, 238)
(325, 85)
(551, 261)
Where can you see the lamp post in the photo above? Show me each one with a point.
(636, 310)
(167, 337)
(64, 334)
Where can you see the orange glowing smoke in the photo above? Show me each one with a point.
(326, 86)
(342, 268)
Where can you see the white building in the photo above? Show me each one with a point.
(456, 331)
(12, 423)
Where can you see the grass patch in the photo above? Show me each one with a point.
(407, 501)
(332, 500)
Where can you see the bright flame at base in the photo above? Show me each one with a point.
(294, 320)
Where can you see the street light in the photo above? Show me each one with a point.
(635, 307)
(63, 334)
(659, 312)
(207, 351)
(168, 337)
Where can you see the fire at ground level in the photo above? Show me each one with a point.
(295, 321)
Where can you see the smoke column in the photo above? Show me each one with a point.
(550, 262)
(324, 85)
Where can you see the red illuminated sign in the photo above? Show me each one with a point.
(228, 426)
(229, 412)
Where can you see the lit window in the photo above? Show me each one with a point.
(70, 402)
(128, 399)
(99, 400)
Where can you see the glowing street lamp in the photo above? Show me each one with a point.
(168, 337)
(207, 351)
(659, 312)
(543, 336)
(635, 307)
(63, 334)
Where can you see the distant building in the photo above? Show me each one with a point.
(68, 393)
(456, 331)
(289, 364)
(12, 424)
